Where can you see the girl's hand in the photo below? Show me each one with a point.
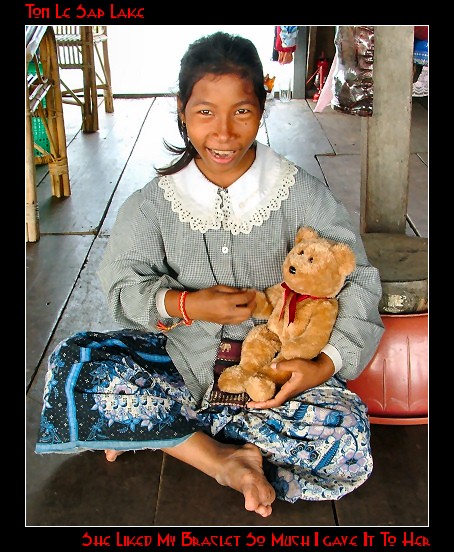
(219, 304)
(305, 375)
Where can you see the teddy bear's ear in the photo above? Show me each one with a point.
(305, 233)
(345, 257)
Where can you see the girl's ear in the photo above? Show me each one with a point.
(180, 110)
(345, 258)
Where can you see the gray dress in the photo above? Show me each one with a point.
(136, 389)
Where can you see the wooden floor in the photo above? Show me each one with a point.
(64, 297)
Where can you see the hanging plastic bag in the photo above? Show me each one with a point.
(352, 79)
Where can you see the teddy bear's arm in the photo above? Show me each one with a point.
(316, 335)
(266, 301)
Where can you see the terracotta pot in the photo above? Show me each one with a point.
(394, 385)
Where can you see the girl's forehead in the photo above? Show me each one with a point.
(215, 88)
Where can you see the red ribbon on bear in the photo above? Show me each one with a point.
(294, 299)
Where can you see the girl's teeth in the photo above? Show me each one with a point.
(221, 153)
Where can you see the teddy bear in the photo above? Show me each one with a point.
(300, 314)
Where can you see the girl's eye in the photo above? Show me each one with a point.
(242, 111)
(205, 111)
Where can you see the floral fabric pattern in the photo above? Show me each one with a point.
(120, 390)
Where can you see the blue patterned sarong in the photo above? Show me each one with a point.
(120, 390)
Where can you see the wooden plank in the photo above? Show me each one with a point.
(96, 162)
(424, 156)
(342, 130)
(179, 503)
(85, 489)
(418, 192)
(397, 491)
(53, 265)
(86, 290)
(149, 152)
(71, 489)
(419, 137)
(293, 131)
(343, 175)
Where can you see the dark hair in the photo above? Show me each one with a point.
(218, 54)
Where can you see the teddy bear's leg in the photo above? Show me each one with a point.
(278, 377)
(259, 349)
(260, 388)
(232, 379)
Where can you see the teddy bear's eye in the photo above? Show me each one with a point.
(311, 259)
(302, 253)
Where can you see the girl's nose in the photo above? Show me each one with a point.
(224, 129)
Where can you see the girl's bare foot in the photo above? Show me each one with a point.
(242, 471)
(238, 467)
(111, 455)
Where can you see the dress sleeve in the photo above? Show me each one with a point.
(134, 268)
(358, 328)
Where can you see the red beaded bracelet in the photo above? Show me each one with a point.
(186, 321)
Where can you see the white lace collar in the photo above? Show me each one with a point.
(246, 203)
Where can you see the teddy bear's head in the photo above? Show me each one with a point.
(317, 266)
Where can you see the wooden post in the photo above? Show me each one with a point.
(90, 109)
(299, 65)
(108, 96)
(60, 171)
(31, 199)
(386, 135)
(55, 126)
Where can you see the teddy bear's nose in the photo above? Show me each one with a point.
(292, 270)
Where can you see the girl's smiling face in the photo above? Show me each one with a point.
(222, 118)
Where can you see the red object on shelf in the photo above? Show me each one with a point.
(394, 385)
(320, 78)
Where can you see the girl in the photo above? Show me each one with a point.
(186, 255)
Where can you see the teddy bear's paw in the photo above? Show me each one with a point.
(232, 380)
(260, 388)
